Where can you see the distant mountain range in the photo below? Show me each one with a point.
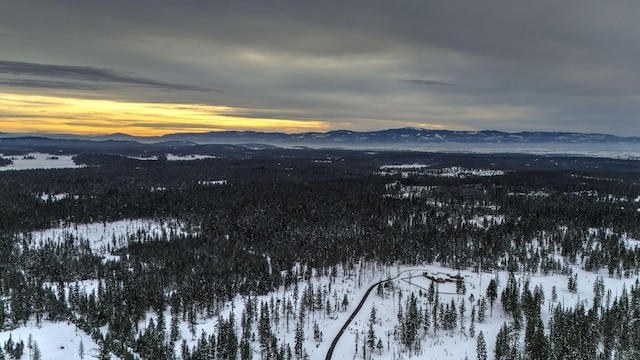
(403, 136)
(345, 137)
(392, 138)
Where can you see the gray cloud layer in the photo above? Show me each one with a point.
(537, 65)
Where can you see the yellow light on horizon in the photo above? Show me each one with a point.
(48, 114)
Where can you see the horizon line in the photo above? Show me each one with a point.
(94, 135)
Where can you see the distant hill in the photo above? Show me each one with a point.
(240, 142)
(403, 136)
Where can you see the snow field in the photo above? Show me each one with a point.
(407, 170)
(34, 161)
(103, 237)
(56, 341)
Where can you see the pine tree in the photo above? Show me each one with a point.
(535, 341)
(462, 310)
(30, 345)
(431, 292)
(510, 295)
(426, 321)
(371, 335)
(81, 350)
(175, 329)
(492, 294)
(264, 326)
(379, 346)
(435, 319)
(317, 334)
(460, 287)
(482, 309)
(9, 345)
(36, 353)
(481, 347)
(598, 292)
(299, 340)
(245, 349)
(472, 326)
(104, 354)
(192, 322)
(572, 284)
(357, 339)
(184, 350)
(411, 322)
(502, 350)
(345, 302)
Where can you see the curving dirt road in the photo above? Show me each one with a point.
(357, 309)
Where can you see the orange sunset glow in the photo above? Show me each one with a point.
(50, 114)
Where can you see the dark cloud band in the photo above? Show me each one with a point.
(427, 82)
(82, 73)
(43, 84)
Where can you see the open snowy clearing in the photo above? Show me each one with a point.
(103, 237)
(449, 172)
(34, 161)
(172, 157)
(56, 341)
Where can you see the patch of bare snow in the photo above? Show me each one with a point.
(212, 182)
(116, 234)
(60, 340)
(460, 172)
(33, 161)
(55, 197)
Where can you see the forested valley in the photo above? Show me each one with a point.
(283, 230)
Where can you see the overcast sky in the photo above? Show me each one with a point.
(151, 67)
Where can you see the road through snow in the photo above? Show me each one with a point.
(357, 309)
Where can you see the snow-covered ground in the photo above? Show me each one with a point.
(454, 344)
(486, 220)
(403, 167)
(443, 345)
(56, 341)
(212, 182)
(172, 157)
(111, 235)
(460, 172)
(55, 197)
(407, 170)
(33, 161)
(61, 340)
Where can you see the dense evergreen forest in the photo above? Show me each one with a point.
(264, 219)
